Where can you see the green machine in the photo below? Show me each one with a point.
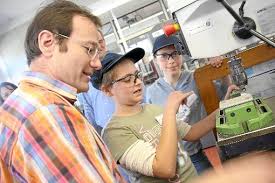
(244, 123)
(242, 115)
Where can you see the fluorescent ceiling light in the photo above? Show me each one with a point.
(104, 6)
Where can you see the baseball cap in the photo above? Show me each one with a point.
(111, 59)
(163, 41)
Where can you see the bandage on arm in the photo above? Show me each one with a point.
(139, 158)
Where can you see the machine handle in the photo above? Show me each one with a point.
(262, 37)
(239, 19)
(241, 11)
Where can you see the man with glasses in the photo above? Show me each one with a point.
(43, 137)
(170, 62)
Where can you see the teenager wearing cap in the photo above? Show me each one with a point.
(169, 60)
(144, 138)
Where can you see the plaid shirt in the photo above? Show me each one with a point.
(44, 138)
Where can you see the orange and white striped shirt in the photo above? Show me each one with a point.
(44, 138)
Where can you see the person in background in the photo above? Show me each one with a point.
(6, 88)
(43, 137)
(170, 63)
(102, 48)
(90, 100)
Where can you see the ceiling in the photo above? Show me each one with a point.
(16, 12)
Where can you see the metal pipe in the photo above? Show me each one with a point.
(164, 9)
(232, 12)
(262, 37)
(122, 49)
(119, 31)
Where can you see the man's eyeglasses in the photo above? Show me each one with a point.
(130, 78)
(92, 51)
(166, 56)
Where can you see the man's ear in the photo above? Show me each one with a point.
(46, 42)
(107, 90)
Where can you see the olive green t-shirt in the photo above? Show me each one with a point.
(122, 132)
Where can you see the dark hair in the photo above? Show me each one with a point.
(6, 84)
(57, 18)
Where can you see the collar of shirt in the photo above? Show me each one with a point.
(183, 80)
(45, 81)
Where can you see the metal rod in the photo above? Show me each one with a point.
(232, 12)
(262, 37)
(164, 9)
(119, 31)
(122, 49)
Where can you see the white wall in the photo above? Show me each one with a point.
(12, 54)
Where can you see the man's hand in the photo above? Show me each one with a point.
(216, 61)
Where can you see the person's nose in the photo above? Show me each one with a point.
(96, 63)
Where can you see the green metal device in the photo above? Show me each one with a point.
(244, 124)
(243, 118)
